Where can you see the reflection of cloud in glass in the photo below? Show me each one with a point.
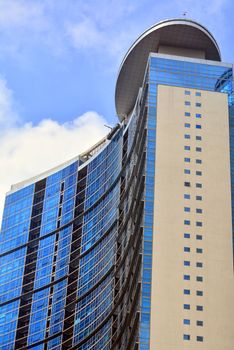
(225, 84)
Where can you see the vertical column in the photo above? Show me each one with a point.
(30, 266)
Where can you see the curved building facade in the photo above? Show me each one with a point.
(129, 246)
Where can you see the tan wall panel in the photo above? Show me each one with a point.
(180, 51)
(167, 312)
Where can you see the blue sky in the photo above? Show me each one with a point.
(58, 65)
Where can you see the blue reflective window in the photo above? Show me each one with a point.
(187, 114)
(186, 171)
(186, 222)
(199, 308)
(187, 209)
(186, 196)
(186, 263)
(186, 235)
(186, 321)
(187, 291)
(187, 277)
(186, 249)
(186, 337)
(187, 125)
(187, 136)
(187, 160)
(187, 306)
(187, 148)
(200, 338)
(199, 264)
(187, 103)
(198, 115)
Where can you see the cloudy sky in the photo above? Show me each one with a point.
(58, 65)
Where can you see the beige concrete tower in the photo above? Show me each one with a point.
(192, 287)
(192, 279)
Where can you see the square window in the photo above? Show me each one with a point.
(186, 321)
(187, 209)
(187, 148)
(187, 92)
(199, 338)
(199, 211)
(198, 138)
(199, 237)
(198, 173)
(187, 306)
(187, 184)
(198, 223)
(198, 126)
(198, 104)
(198, 161)
(199, 279)
(198, 93)
(199, 198)
(186, 249)
(186, 235)
(200, 323)
(199, 264)
(187, 291)
(186, 171)
(187, 125)
(199, 250)
(198, 149)
(187, 103)
(186, 337)
(186, 196)
(186, 222)
(186, 263)
(187, 114)
(199, 308)
(199, 293)
(187, 160)
(187, 136)
(198, 185)
(198, 115)
(187, 277)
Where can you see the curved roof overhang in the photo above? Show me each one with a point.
(179, 33)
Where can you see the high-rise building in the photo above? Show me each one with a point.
(130, 245)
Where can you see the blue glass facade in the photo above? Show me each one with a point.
(76, 246)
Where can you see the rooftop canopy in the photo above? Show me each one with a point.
(176, 33)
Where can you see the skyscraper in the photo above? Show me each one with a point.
(130, 245)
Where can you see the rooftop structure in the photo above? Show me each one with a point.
(190, 38)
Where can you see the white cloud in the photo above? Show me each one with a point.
(8, 115)
(27, 150)
(86, 34)
(21, 14)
